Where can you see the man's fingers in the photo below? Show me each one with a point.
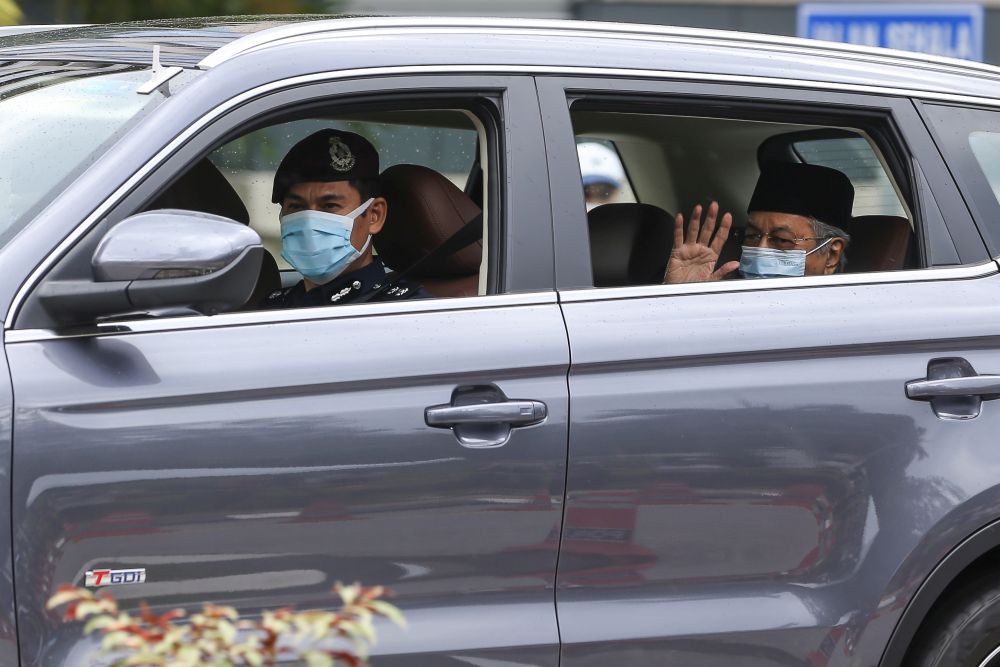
(722, 235)
(694, 224)
(724, 270)
(705, 235)
(678, 231)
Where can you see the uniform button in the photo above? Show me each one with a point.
(356, 284)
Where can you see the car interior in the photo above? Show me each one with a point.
(434, 167)
(674, 162)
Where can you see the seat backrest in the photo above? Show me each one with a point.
(204, 188)
(425, 210)
(878, 243)
(629, 244)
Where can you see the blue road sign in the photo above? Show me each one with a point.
(954, 30)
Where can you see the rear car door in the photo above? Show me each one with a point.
(749, 482)
(255, 458)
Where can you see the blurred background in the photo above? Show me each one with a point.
(961, 29)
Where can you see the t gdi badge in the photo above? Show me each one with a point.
(115, 577)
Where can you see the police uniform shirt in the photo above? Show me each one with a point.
(346, 288)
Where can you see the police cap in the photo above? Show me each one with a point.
(325, 156)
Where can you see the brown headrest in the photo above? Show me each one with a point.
(878, 243)
(203, 188)
(629, 244)
(425, 209)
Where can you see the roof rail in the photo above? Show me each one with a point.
(291, 33)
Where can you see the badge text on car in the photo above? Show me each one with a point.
(115, 577)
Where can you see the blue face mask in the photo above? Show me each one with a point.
(318, 244)
(771, 263)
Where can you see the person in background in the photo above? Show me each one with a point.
(602, 173)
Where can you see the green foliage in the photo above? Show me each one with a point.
(109, 11)
(217, 637)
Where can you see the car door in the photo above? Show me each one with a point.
(749, 482)
(256, 458)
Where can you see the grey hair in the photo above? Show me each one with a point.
(824, 231)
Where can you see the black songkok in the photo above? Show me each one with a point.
(325, 156)
(804, 189)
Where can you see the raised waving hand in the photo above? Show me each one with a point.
(696, 249)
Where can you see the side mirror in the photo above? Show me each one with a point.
(162, 260)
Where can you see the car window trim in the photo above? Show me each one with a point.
(936, 274)
(247, 96)
(286, 316)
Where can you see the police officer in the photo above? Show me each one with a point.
(328, 188)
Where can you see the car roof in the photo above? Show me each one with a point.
(182, 42)
(563, 45)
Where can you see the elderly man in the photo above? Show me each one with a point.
(791, 230)
(328, 188)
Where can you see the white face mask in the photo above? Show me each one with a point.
(318, 244)
(771, 263)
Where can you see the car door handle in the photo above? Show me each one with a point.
(954, 389)
(482, 417)
(986, 386)
(515, 413)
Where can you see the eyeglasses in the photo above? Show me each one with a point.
(781, 242)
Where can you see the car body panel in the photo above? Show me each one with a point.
(258, 465)
(786, 479)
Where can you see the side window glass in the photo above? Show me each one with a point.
(354, 207)
(855, 157)
(970, 141)
(803, 199)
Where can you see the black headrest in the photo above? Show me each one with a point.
(203, 188)
(629, 244)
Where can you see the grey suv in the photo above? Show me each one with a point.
(557, 460)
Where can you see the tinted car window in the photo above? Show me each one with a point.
(676, 162)
(970, 140)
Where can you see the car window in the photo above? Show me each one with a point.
(856, 157)
(448, 147)
(53, 125)
(432, 178)
(676, 162)
(970, 139)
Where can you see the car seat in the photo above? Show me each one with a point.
(204, 188)
(878, 243)
(629, 244)
(425, 210)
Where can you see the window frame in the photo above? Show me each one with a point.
(527, 270)
(901, 135)
(972, 180)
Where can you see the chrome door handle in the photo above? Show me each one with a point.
(977, 385)
(519, 413)
(954, 389)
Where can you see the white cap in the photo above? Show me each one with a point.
(599, 164)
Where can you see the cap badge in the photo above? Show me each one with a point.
(341, 157)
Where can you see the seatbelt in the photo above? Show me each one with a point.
(470, 232)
